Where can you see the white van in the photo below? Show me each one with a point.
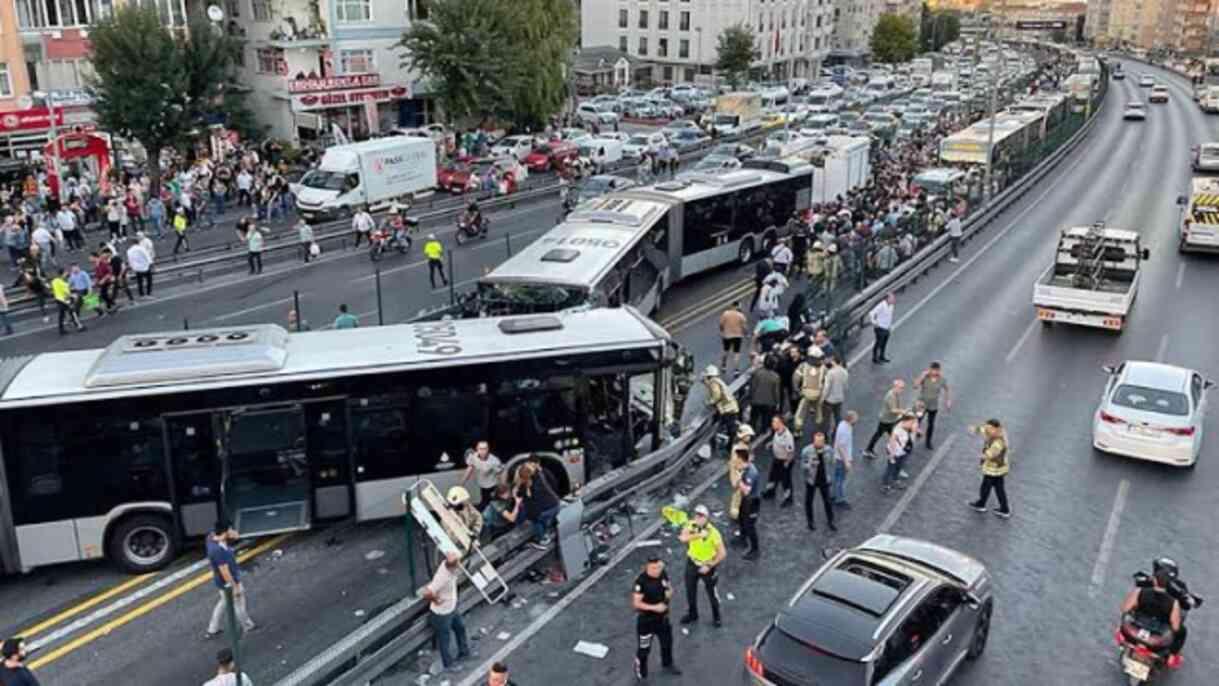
(879, 86)
(600, 152)
(373, 173)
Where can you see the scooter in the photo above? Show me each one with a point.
(1143, 645)
(467, 230)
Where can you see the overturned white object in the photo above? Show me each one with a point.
(597, 650)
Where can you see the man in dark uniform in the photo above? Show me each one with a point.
(651, 597)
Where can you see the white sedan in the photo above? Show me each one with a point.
(1145, 81)
(1159, 93)
(513, 146)
(1152, 411)
(1135, 110)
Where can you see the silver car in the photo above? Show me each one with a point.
(894, 611)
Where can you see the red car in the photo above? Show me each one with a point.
(455, 175)
(551, 155)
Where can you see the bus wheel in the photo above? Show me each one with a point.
(143, 543)
(746, 252)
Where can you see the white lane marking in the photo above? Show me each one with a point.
(1011, 354)
(900, 508)
(479, 674)
(1015, 221)
(106, 610)
(1180, 275)
(1162, 349)
(1109, 541)
(255, 308)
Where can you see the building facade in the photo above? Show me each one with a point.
(679, 37)
(314, 65)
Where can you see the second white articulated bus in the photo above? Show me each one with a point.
(626, 248)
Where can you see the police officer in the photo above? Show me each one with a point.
(651, 599)
(704, 553)
(433, 250)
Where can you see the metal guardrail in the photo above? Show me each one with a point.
(858, 307)
(403, 627)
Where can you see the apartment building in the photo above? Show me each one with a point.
(1096, 21)
(857, 18)
(313, 65)
(678, 38)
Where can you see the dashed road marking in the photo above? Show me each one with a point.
(1011, 354)
(1109, 541)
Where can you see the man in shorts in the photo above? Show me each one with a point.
(733, 325)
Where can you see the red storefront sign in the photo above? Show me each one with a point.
(334, 83)
(35, 118)
(347, 98)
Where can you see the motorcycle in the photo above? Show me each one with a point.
(390, 237)
(1143, 645)
(467, 229)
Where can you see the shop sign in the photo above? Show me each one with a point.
(34, 118)
(347, 98)
(334, 83)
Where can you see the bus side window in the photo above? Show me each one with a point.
(447, 419)
(380, 429)
(34, 471)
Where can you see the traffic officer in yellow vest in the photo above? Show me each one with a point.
(704, 553)
(809, 379)
(996, 462)
(434, 252)
(720, 398)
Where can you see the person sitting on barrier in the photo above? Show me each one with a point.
(537, 501)
(500, 514)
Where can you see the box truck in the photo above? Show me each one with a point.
(737, 114)
(375, 173)
(844, 166)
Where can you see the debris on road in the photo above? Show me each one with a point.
(597, 650)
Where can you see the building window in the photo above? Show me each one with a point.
(689, 74)
(261, 9)
(270, 60)
(353, 11)
(623, 19)
(40, 14)
(6, 85)
(622, 46)
(663, 24)
(232, 9)
(419, 10)
(643, 45)
(643, 19)
(684, 21)
(683, 48)
(662, 47)
(357, 62)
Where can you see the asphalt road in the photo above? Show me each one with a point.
(1057, 584)
(1056, 592)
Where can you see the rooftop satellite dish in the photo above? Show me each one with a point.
(215, 13)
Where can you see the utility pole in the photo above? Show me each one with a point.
(990, 134)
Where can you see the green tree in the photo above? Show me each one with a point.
(490, 56)
(938, 28)
(735, 52)
(543, 34)
(459, 49)
(893, 39)
(156, 86)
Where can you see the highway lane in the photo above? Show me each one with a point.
(1058, 581)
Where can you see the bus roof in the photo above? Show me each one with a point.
(694, 186)
(212, 359)
(579, 251)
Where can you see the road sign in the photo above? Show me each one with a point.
(1042, 25)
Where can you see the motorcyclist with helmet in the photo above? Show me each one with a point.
(472, 220)
(1159, 601)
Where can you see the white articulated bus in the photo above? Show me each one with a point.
(126, 451)
(626, 248)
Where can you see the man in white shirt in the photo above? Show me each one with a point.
(783, 447)
(140, 262)
(901, 443)
(782, 257)
(954, 235)
(773, 287)
(226, 671)
(44, 240)
(362, 224)
(881, 319)
(486, 468)
(444, 616)
(244, 183)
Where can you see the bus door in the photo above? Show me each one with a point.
(265, 485)
(329, 458)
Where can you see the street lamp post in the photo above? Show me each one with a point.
(699, 69)
(45, 99)
(990, 131)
